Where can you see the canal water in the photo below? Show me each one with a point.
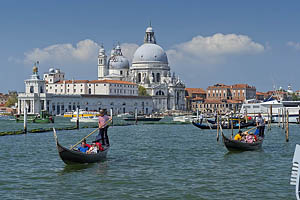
(146, 161)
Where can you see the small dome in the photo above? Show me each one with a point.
(51, 70)
(118, 62)
(149, 52)
(101, 51)
(149, 30)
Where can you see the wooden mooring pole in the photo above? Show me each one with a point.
(268, 121)
(218, 126)
(231, 126)
(278, 117)
(77, 118)
(271, 114)
(283, 118)
(287, 127)
(25, 119)
(239, 124)
(136, 116)
(111, 115)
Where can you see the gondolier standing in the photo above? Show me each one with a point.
(260, 123)
(103, 126)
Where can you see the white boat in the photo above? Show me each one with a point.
(85, 119)
(124, 115)
(278, 107)
(295, 175)
(184, 118)
(82, 113)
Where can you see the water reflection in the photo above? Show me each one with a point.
(76, 168)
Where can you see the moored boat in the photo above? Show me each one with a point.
(43, 117)
(72, 156)
(82, 113)
(214, 126)
(235, 145)
(88, 119)
(295, 175)
(184, 118)
(143, 118)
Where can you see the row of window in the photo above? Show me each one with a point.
(119, 91)
(116, 85)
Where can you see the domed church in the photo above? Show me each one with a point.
(150, 69)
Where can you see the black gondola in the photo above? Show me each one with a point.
(214, 126)
(146, 119)
(235, 145)
(73, 156)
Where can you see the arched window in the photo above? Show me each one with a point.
(139, 77)
(153, 77)
(160, 93)
(90, 91)
(31, 89)
(41, 89)
(158, 77)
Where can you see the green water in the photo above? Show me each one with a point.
(146, 162)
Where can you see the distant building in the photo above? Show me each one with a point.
(261, 96)
(3, 99)
(58, 96)
(226, 98)
(56, 84)
(150, 69)
(194, 96)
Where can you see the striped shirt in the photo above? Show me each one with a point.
(103, 120)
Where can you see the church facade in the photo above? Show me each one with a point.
(149, 69)
(116, 87)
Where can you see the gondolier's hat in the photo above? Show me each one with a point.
(102, 112)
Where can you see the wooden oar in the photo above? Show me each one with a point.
(250, 129)
(89, 134)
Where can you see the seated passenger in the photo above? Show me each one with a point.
(238, 136)
(87, 145)
(93, 149)
(249, 138)
(99, 146)
(83, 148)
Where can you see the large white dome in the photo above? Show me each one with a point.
(150, 52)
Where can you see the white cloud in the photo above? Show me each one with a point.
(295, 45)
(214, 48)
(128, 49)
(84, 50)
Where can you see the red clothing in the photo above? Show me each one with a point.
(87, 145)
(99, 145)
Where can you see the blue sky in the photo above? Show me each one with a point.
(207, 42)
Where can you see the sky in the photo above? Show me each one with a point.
(207, 42)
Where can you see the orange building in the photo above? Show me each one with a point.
(193, 96)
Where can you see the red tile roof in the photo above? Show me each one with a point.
(242, 86)
(213, 101)
(198, 99)
(195, 90)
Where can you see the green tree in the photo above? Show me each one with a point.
(142, 91)
(295, 97)
(12, 99)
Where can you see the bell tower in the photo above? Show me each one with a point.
(102, 66)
